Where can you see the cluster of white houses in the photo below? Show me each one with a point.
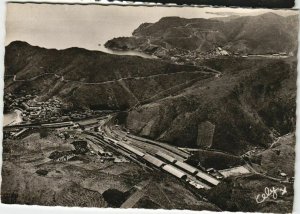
(41, 111)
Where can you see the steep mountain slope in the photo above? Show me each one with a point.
(245, 102)
(263, 34)
(74, 74)
(267, 33)
(245, 106)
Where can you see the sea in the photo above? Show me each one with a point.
(12, 118)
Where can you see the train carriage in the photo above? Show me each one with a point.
(165, 157)
(207, 178)
(131, 149)
(153, 160)
(110, 140)
(186, 167)
(57, 125)
(174, 171)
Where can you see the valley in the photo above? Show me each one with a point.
(204, 121)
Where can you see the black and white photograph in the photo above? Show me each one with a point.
(149, 107)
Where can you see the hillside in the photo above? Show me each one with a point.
(268, 33)
(243, 107)
(73, 74)
(244, 101)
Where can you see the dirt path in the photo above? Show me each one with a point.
(135, 197)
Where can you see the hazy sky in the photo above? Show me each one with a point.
(62, 26)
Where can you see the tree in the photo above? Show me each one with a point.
(43, 132)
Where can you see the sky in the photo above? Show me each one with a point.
(62, 26)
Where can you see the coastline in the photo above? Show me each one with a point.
(12, 118)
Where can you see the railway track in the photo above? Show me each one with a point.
(147, 153)
(162, 158)
(98, 140)
(146, 144)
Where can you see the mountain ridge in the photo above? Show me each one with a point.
(268, 33)
(245, 100)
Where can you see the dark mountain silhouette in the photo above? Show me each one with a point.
(268, 33)
(235, 3)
